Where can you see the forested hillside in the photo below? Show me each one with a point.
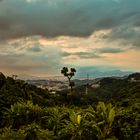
(111, 111)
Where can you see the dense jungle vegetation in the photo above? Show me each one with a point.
(111, 112)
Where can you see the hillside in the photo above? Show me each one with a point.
(108, 88)
(109, 110)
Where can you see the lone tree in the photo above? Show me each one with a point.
(69, 75)
(2, 79)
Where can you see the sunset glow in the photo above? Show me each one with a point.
(38, 37)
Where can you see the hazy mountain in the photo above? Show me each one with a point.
(93, 72)
(97, 72)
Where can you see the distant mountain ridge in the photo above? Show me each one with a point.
(79, 75)
(105, 73)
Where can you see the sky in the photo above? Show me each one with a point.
(39, 37)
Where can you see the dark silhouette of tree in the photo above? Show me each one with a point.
(2, 79)
(69, 75)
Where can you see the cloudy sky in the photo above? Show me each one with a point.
(39, 37)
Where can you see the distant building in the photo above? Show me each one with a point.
(95, 85)
(134, 80)
(42, 86)
(53, 92)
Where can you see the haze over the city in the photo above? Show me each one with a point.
(39, 37)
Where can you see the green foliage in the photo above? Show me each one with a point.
(30, 113)
(127, 122)
(23, 113)
(9, 134)
(54, 118)
(34, 132)
(29, 132)
(105, 115)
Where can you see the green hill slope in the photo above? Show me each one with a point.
(109, 111)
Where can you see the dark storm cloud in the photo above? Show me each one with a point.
(19, 18)
(87, 55)
(94, 54)
(127, 36)
(137, 23)
(4, 24)
(109, 50)
(82, 55)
